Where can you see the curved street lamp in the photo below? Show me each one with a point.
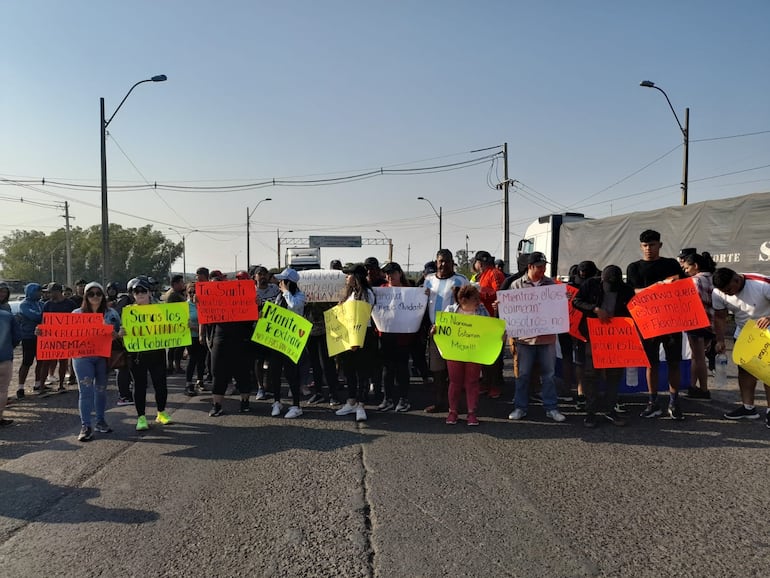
(440, 220)
(685, 133)
(390, 245)
(105, 213)
(250, 214)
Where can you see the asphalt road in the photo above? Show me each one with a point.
(399, 495)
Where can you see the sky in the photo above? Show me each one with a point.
(308, 90)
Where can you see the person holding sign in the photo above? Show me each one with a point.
(602, 298)
(91, 372)
(464, 375)
(490, 279)
(292, 299)
(358, 362)
(540, 349)
(152, 362)
(700, 267)
(649, 270)
(747, 296)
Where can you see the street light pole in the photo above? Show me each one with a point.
(103, 138)
(248, 230)
(685, 133)
(440, 220)
(390, 245)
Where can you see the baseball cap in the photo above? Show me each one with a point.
(355, 270)
(537, 258)
(288, 274)
(484, 257)
(55, 287)
(371, 263)
(687, 251)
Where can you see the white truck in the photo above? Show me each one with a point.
(734, 231)
(303, 258)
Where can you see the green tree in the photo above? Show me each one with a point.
(462, 263)
(35, 256)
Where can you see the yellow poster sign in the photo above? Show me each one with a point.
(156, 326)
(282, 330)
(752, 351)
(346, 325)
(469, 337)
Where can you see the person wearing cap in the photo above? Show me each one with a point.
(540, 349)
(29, 316)
(80, 289)
(144, 363)
(684, 253)
(489, 280)
(91, 371)
(202, 274)
(293, 299)
(123, 378)
(266, 291)
(10, 337)
(500, 266)
(374, 274)
(650, 270)
(56, 304)
(358, 362)
(217, 275)
(440, 288)
(335, 265)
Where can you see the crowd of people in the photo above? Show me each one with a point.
(223, 359)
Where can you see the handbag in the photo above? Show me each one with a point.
(118, 357)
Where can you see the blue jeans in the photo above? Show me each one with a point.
(545, 355)
(92, 383)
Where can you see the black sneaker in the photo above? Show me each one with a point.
(245, 408)
(652, 410)
(216, 410)
(6, 422)
(741, 412)
(189, 391)
(315, 399)
(20, 393)
(675, 412)
(590, 421)
(580, 402)
(86, 434)
(61, 389)
(614, 418)
(102, 427)
(698, 393)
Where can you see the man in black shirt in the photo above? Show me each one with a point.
(649, 270)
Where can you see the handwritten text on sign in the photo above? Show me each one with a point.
(752, 351)
(65, 335)
(322, 285)
(475, 338)
(399, 309)
(282, 330)
(226, 301)
(616, 343)
(534, 311)
(156, 326)
(668, 308)
(346, 325)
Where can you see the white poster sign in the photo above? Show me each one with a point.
(534, 311)
(399, 309)
(322, 285)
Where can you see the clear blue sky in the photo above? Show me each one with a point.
(288, 89)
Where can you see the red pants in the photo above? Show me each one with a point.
(463, 375)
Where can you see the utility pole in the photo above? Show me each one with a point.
(408, 256)
(68, 242)
(506, 224)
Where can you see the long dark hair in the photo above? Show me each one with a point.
(704, 261)
(360, 287)
(86, 306)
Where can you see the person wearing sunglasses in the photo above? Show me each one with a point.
(151, 362)
(91, 372)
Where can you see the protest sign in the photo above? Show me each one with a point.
(399, 309)
(282, 330)
(475, 338)
(666, 308)
(575, 315)
(752, 351)
(615, 343)
(156, 326)
(226, 301)
(534, 311)
(322, 285)
(346, 325)
(66, 335)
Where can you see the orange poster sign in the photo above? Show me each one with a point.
(615, 343)
(668, 308)
(65, 335)
(226, 301)
(575, 315)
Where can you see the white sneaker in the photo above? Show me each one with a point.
(555, 415)
(277, 407)
(260, 393)
(294, 411)
(517, 414)
(360, 412)
(346, 409)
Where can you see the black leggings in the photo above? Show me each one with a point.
(230, 358)
(154, 364)
(359, 365)
(279, 363)
(196, 359)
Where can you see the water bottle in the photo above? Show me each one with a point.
(721, 370)
(632, 376)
